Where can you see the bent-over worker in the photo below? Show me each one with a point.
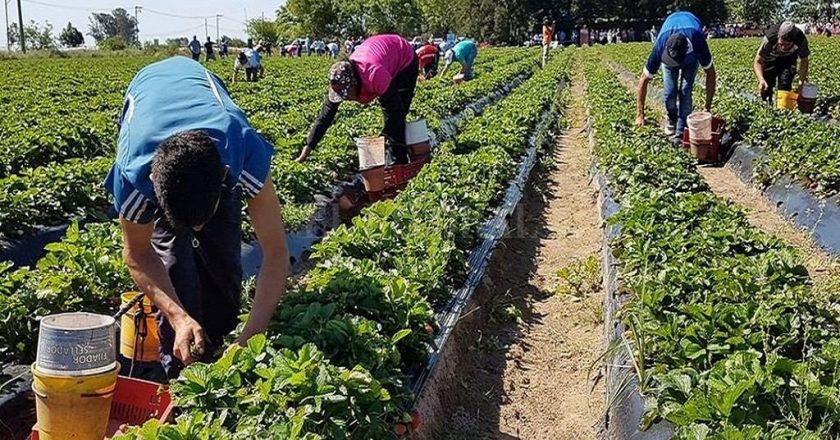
(464, 53)
(186, 155)
(681, 46)
(427, 58)
(384, 67)
(776, 59)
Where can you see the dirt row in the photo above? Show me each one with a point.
(520, 363)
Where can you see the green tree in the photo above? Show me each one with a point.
(317, 18)
(71, 37)
(755, 11)
(116, 24)
(37, 37)
(814, 11)
(263, 29)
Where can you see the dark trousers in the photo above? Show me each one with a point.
(205, 268)
(395, 104)
(781, 71)
(251, 74)
(196, 56)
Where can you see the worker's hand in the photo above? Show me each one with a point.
(189, 340)
(640, 120)
(303, 155)
(762, 86)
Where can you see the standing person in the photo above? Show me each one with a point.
(195, 49)
(653, 34)
(584, 36)
(223, 48)
(306, 44)
(576, 37)
(427, 59)
(682, 47)
(348, 46)
(781, 47)
(384, 67)
(208, 50)
(333, 48)
(464, 53)
(186, 155)
(547, 36)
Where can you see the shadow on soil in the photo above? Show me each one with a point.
(464, 398)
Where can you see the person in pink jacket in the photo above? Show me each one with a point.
(383, 67)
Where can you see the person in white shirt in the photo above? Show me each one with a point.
(249, 61)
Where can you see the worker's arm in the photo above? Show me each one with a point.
(445, 67)
(758, 67)
(151, 277)
(641, 97)
(264, 210)
(803, 70)
(319, 127)
(711, 86)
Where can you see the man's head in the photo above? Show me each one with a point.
(343, 81)
(676, 48)
(187, 175)
(195, 37)
(787, 30)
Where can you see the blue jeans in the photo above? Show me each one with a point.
(684, 76)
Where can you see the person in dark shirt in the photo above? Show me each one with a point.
(775, 61)
(208, 50)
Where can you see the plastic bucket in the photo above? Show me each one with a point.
(786, 100)
(809, 91)
(73, 407)
(138, 331)
(416, 132)
(806, 105)
(374, 178)
(699, 126)
(371, 152)
(76, 344)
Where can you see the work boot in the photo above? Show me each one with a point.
(670, 128)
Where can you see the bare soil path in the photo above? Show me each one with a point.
(519, 367)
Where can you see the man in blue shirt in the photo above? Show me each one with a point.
(681, 46)
(186, 154)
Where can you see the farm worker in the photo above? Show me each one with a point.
(681, 46)
(776, 59)
(427, 59)
(223, 48)
(334, 48)
(384, 67)
(464, 53)
(195, 48)
(584, 36)
(255, 62)
(547, 36)
(208, 50)
(244, 61)
(186, 155)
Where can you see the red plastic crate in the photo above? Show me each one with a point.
(135, 402)
(397, 177)
(712, 153)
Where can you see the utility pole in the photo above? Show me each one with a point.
(137, 9)
(22, 37)
(206, 32)
(8, 45)
(217, 27)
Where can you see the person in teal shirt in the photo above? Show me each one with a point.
(464, 53)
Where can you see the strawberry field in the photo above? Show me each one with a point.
(717, 329)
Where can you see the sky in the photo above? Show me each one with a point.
(158, 19)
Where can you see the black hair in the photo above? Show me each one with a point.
(187, 178)
(242, 58)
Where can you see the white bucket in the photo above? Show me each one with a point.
(416, 132)
(371, 152)
(809, 91)
(699, 126)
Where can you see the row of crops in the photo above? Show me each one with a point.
(85, 271)
(728, 337)
(337, 358)
(795, 144)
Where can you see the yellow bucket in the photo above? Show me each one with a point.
(73, 407)
(138, 331)
(786, 100)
